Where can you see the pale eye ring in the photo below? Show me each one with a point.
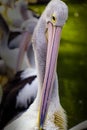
(53, 19)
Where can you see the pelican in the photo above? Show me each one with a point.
(10, 56)
(29, 26)
(16, 98)
(46, 112)
(18, 94)
(9, 46)
(22, 5)
(20, 13)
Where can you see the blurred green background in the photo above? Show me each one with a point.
(72, 61)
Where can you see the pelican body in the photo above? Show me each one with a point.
(46, 111)
(16, 98)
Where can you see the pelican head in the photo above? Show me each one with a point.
(22, 6)
(53, 19)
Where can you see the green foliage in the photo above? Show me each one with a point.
(72, 65)
(75, 1)
(38, 8)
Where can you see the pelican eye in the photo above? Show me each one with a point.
(53, 18)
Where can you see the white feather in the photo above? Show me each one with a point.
(27, 93)
(28, 72)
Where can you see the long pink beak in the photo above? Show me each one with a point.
(52, 53)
